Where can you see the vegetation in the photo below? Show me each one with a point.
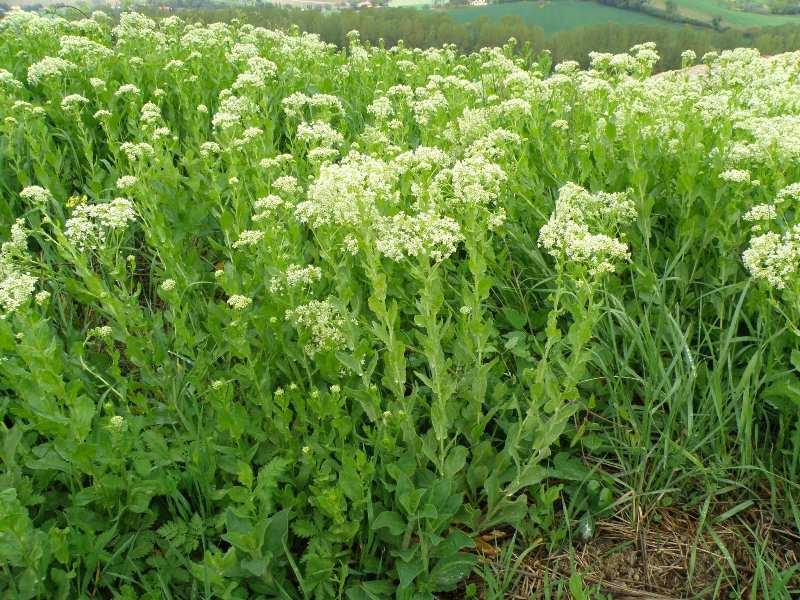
(723, 13)
(422, 29)
(556, 16)
(285, 320)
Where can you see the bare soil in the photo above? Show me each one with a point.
(667, 556)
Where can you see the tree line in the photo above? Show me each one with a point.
(425, 28)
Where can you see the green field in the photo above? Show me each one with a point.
(707, 9)
(558, 16)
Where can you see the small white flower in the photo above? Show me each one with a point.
(126, 182)
(36, 194)
(735, 176)
(104, 332)
(116, 423)
(73, 102)
(209, 148)
(761, 212)
(248, 238)
(238, 302)
(127, 89)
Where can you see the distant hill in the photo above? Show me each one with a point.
(557, 15)
(560, 15)
(727, 12)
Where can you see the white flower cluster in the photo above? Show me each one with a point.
(428, 105)
(761, 212)
(242, 51)
(323, 322)
(89, 224)
(150, 114)
(319, 133)
(639, 60)
(231, 110)
(774, 258)
(16, 285)
(7, 80)
(260, 70)
(126, 182)
(138, 31)
(381, 108)
(319, 104)
(276, 161)
(209, 149)
(790, 192)
(73, 102)
(47, 68)
(348, 193)
(423, 234)
(81, 49)
(239, 302)
(582, 227)
(287, 184)
(127, 89)
(295, 276)
(422, 159)
(477, 181)
(37, 195)
(248, 238)
(104, 332)
(138, 151)
(735, 176)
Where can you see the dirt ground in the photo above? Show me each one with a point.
(667, 556)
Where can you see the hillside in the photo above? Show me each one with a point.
(729, 16)
(559, 15)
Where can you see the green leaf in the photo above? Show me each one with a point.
(794, 358)
(516, 319)
(350, 481)
(407, 572)
(450, 570)
(391, 521)
(277, 532)
(455, 461)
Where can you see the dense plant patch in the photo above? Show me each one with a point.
(281, 320)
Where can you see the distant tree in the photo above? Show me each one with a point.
(421, 28)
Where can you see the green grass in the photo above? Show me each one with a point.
(707, 9)
(558, 15)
